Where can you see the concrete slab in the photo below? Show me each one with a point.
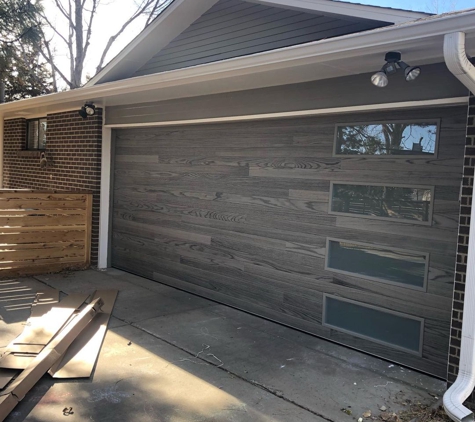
(190, 359)
(296, 370)
(151, 381)
(133, 306)
(84, 281)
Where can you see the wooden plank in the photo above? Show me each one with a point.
(51, 196)
(88, 233)
(35, 268)
(39, 245)
(80, 358)
(24, 213)
(64, 235)
(9, 204)
(67, 251)
(47, 220)
(31, 229)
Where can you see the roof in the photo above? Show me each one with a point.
(420, 41)
(180, 14)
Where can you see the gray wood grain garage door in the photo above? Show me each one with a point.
(266, 217)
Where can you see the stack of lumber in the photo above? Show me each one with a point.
(62, 338)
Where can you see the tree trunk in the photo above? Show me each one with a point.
(2, 92)
(78, 68)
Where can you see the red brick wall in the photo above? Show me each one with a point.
(73, 151)
(461, 265)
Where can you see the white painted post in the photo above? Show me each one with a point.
(103, 261)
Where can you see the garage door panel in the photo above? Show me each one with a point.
(362, 176)
(239, 213)
(435, 232)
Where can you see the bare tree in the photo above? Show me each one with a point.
(79, 16)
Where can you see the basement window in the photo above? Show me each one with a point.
(36, 134)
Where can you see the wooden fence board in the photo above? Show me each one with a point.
(44, 231)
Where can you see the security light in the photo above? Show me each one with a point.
(410, 72)
(88, 109)
(392, 65)
(380, 79)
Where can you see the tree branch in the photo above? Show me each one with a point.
(140, 10)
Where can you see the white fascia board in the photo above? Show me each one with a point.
(178, 16)
(349, 10)
(317, 52)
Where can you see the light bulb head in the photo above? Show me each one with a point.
(380, 79)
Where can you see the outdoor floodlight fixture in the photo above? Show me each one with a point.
(393, 63)
(88, 109)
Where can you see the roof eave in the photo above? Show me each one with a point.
(347, 46)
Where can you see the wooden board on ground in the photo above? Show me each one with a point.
(80, 358)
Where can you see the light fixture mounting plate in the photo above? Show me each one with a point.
(393, 57)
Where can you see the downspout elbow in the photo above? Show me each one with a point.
(458, 63)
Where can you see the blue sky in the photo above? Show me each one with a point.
(433, 6)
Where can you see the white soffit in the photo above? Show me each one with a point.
(350, 10)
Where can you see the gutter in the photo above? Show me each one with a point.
(458, 63)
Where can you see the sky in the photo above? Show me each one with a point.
(113, 13)
(432, 6)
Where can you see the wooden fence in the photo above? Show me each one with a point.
(42, 232)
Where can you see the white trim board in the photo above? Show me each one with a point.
(105, 198)
(302, 113)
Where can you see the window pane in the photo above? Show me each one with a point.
(407, 268)
(375, 323)
(387, 138)
(33, 134)
(382, 201)
(42, 134)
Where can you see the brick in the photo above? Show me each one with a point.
(70, 141)
(462, 249)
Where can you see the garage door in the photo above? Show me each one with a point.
(342, 226)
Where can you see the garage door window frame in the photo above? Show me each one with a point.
(435, 122)
(375, 217)
(422, 288)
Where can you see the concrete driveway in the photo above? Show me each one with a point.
(170, 356)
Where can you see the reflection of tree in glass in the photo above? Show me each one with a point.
(387, 138)
(382, 201)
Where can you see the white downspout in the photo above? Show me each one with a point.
(458, 63)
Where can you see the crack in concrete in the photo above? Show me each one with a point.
(275, 393)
